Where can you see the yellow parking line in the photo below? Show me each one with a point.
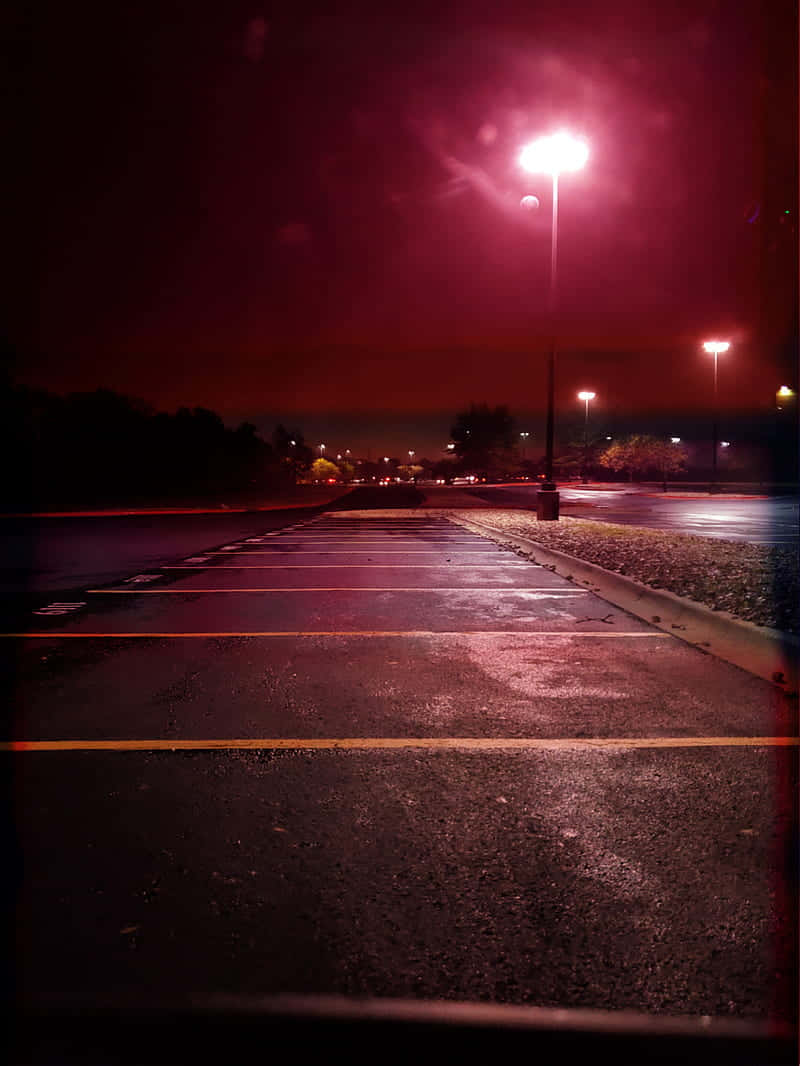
(59, 634)
(474, 743)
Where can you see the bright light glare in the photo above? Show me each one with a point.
(784, 390)
(715, 347)
(586, 395)
(675, 440)
(551, 155)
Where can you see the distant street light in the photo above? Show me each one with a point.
(586, 396)
(552, 155)
(675, 440)
(783, 396)
(724, 444)
(321, 450)
(715, 348)
(524, 438)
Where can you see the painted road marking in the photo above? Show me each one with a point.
(474, 743)
(56, 634)
(59, 607)
(352, 566)
(541, 592)
(374, 551)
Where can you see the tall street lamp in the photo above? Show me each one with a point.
(715, 348)
(524, 438)
(321, 450)
(586, 396)
(552, 155)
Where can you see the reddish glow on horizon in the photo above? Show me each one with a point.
(554, 154)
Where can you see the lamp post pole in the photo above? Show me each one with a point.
(714, 348)
(552, 155)
(524, 437)
(549, 484)
(586, 396)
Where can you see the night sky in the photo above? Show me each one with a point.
(311, 213)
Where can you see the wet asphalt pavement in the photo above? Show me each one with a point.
(443, 772)
(768, 521)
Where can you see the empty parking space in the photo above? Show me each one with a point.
(405, 762)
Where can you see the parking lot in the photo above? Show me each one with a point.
(372, 756)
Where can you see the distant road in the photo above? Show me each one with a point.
(771, 521)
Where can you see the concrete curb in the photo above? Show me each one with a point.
(767, 653)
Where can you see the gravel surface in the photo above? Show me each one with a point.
(757, 583)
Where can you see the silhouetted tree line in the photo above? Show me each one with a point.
(104, 447)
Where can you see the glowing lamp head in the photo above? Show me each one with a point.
(675, 440)
(586, 395)
(784, 390)
(554, 154)
(716, 347)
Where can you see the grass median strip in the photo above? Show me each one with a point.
(432, 743)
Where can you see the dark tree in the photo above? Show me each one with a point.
(293, 456)
(484, 439)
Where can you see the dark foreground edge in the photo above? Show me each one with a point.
(381, 1030)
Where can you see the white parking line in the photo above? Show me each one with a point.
(348, 566)
(540, 593)
(370, 633)
(372, 551)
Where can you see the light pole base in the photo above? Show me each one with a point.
(547, 505)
